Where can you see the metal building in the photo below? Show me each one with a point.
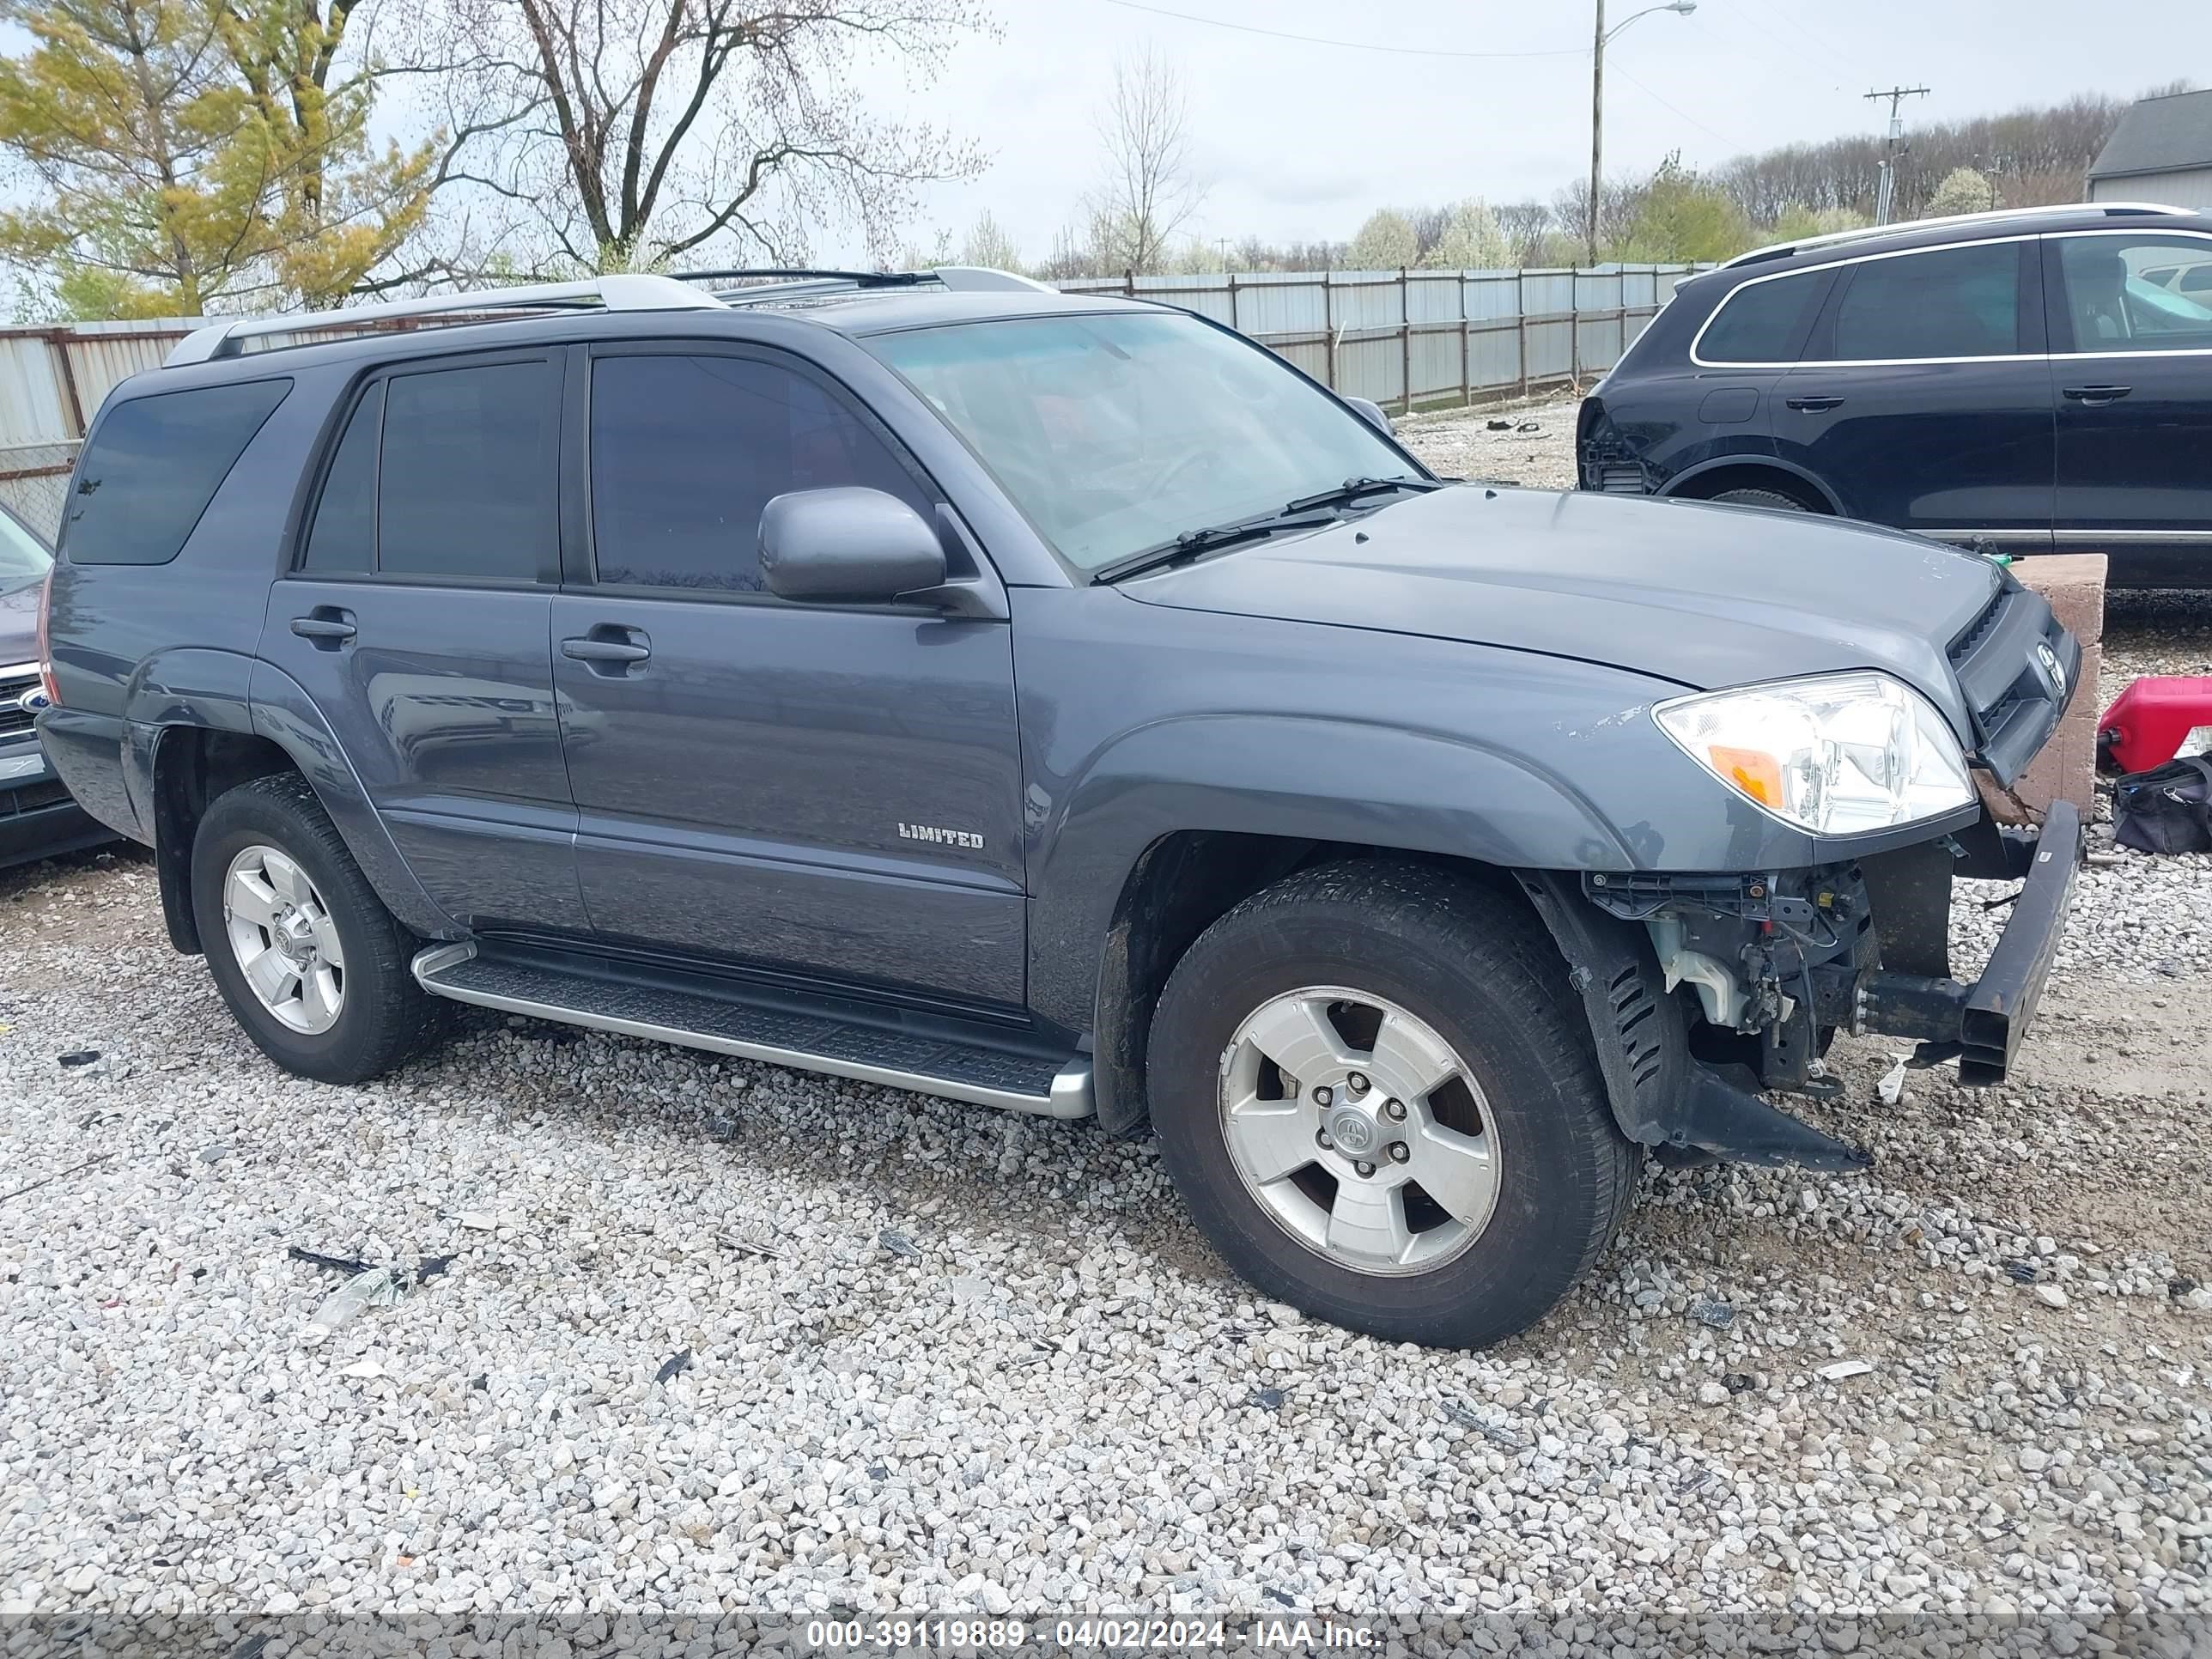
(2162, 151)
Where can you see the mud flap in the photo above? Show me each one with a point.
(1660, 1096)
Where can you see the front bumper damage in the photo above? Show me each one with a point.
(1760, 969)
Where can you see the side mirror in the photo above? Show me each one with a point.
(846, 546)
(1376, 417)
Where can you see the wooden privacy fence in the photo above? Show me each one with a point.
(1408, 339)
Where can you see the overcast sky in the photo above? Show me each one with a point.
(1301, 140)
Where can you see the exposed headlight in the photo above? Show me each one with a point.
(1838, 754)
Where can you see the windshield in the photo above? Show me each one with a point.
(22, 558)
(1118, 432)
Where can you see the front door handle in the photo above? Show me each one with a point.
(1813, 404)
(609, 649)
(2094, 395)
(326, 627)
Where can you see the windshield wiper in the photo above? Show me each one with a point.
(1353, 489)
(1205, 540)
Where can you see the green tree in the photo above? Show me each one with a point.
(1682, 218)
(1963, 190)
(1799, 222)
(189, 153)
(1385, 242)
(1472, 240)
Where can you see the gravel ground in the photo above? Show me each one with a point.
(718, 1336)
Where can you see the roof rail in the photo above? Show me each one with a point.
(797, 284)
(628, 292)
(2111, 210)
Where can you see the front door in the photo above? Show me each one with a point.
(2131, 374)
(1922, 400)
(824, 792)
(417, 621)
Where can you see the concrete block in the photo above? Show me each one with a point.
(2074, 583)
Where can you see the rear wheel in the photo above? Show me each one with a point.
(1773, 500)
(1369, 1088)
(311, 964)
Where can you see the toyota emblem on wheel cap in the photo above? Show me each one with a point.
(1354, 1131)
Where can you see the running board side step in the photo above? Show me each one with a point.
(925, 1062)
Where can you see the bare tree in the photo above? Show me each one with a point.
(628, 134)
(1150, 188)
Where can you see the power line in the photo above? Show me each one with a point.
(1684, 114)
(1341, 45)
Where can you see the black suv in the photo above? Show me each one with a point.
(2032, 381)
(1061, 705)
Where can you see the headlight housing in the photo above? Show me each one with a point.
(1836, 754)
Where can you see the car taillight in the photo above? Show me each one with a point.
(45, 640)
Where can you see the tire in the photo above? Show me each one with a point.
(368, 1014)
(1773, 500)
(1444, 959)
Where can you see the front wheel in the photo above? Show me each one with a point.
(1372, 1091)
(313, 967)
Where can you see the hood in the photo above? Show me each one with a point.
(1703, 595)
(19, 624)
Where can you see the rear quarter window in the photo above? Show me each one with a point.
(1763, 322)
(153, 465)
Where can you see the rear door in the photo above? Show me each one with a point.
(417, 619)
(823, 791)
(1923, 399)
(2131, 372)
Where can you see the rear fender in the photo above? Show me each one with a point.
(283, 712)
(1771, 463)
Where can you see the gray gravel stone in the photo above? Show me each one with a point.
(1055, 1397)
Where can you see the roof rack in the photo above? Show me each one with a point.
(2111, 210)
(628, 292)
(760, 287)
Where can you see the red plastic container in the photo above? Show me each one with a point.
(2146, 722)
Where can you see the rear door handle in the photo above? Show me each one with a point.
(1812, 403)
(2096, 394)
(608, 648)
(326, 627)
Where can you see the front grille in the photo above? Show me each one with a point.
(2001, 674)
(14, 717)
(33, 797)
(1978, 629)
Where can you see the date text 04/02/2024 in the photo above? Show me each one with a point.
(1091, 1635)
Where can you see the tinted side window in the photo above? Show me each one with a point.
(2116, 304)
(155, 464)
(1762, 322)
(343, 535)
(687, 451)
(465, 486)
(1955, 302)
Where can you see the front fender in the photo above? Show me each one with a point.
(1302, 778)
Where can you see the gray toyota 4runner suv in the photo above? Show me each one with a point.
(1056, 704)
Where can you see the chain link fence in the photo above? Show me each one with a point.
(34, 483)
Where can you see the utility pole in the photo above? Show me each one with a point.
(1597, 135)
(1598, 40)
(1884, 197)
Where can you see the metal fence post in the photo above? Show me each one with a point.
(1328, 331)
(1233, 323)
(1404, 345)
(1465, 369)
(1521, 326)
(1129, 282)
(1575, 325)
